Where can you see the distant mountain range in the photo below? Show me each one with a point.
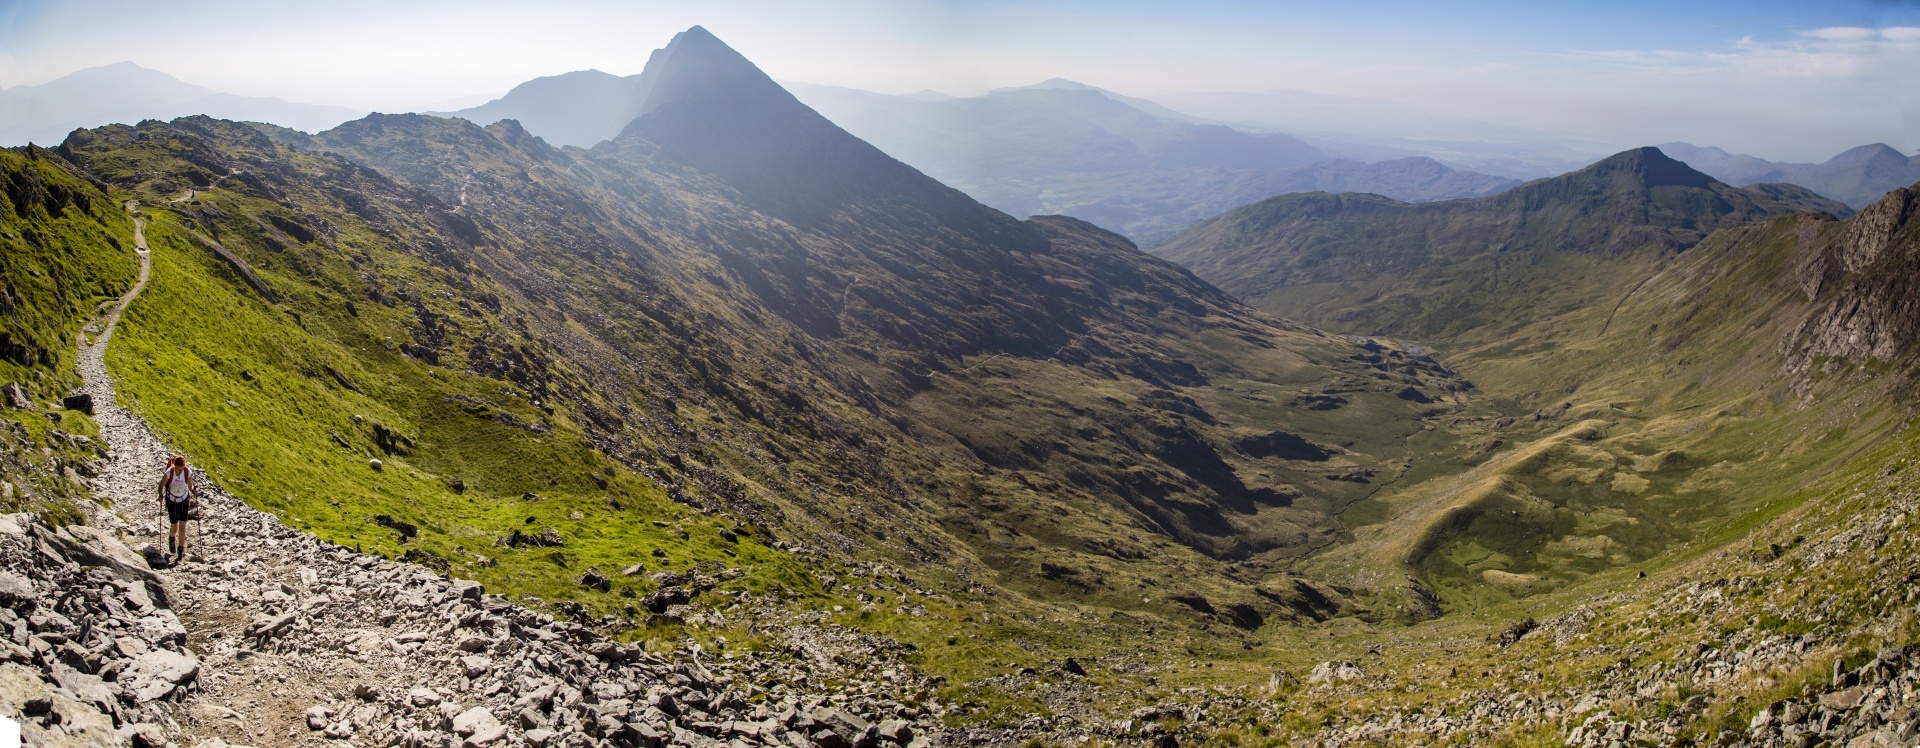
(1057, 147)
(1373, 130)
(127, 93)
(1435, 272)
(1128, 164)
(1859, 177)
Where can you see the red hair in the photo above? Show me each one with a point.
(176, 461)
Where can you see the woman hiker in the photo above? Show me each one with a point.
(176, 491)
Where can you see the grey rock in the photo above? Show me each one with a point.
(155, 674)
(17, 397)
(476, 665)
(467, 589)
(1335, 672)
(146, 735)
(896, 730)
(474, 721)
(267, 626)
(14, 589)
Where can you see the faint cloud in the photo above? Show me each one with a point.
(1832, 52)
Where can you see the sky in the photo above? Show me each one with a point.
(1782, 80)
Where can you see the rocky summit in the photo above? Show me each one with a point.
(732, 430)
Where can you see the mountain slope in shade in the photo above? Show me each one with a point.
(1439, 271)
(125, 93)
(1857, 177)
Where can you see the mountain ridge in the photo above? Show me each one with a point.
(1858, 176)
(126, 92)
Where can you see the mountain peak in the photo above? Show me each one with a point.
(1648, 167)
(1866, 153)
(1052, 83)
(697, 64)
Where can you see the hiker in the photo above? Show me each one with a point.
(177, 492)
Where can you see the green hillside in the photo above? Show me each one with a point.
(1473, 270)
(65, 249)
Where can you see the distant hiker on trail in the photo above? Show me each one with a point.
(177, 492)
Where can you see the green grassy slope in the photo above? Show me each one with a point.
(65, 248)
(288, 400)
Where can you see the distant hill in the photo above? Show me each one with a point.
(1858, 177)
(127, 93)
(1439, 271)
(580, 108)
(1373, 129)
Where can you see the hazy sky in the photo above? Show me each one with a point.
(1785, 80)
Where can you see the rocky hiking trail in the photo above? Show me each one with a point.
(267, 636)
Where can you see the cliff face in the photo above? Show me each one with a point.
(1870, 276)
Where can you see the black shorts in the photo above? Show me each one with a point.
(177, 510)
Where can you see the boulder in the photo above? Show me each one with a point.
(88, 546)
(594, 580)
(154, 675)
(467, 589)
(475, 721)
(266, 626)
(1844, 700)
(16, 396)
(476, 665)
(1335, 672)
(897, 730)
(82, 402)
(14, 589)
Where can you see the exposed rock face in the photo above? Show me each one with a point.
(1870, 274)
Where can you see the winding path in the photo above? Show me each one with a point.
(244, 565)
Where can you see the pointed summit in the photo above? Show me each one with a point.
(696, 64)
(703, 105)
(1645, 168)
